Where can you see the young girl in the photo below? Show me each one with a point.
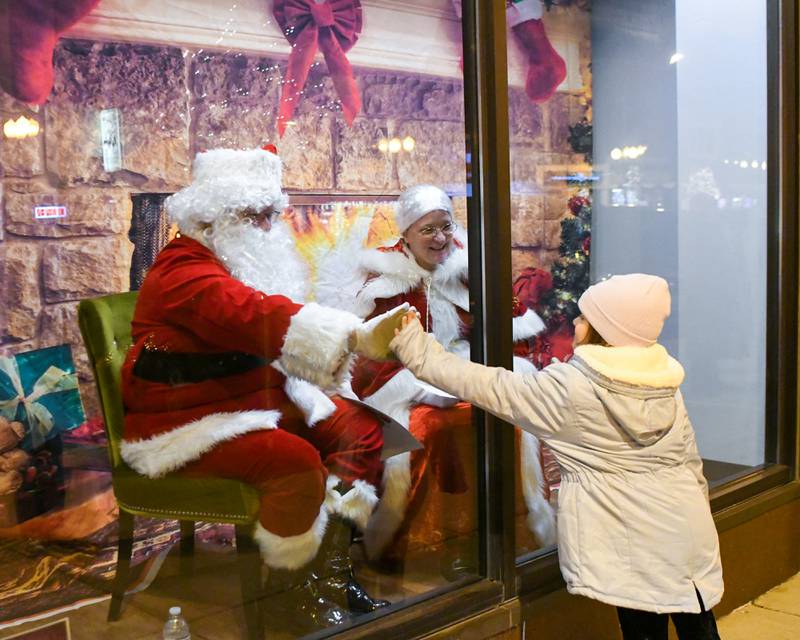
(634, 524)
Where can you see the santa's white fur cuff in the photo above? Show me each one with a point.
(316, 344)
(291, 552)
(356, 505)
(169, 451)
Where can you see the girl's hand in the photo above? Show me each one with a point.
(409, 318)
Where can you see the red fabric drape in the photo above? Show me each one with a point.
(29, 30)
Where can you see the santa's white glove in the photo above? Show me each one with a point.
(434, 399)
(372, 338)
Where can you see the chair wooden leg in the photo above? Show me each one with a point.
(187, 546)
(124, 549)
(249, 561)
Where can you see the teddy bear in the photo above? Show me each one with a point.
(12, 458)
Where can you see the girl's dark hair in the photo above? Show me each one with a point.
(593, 337)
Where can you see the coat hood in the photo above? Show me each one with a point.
(636, 385)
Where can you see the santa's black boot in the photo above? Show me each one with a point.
(297, 591)
(334, 570)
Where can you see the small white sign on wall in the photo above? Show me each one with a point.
(111, 139)
(49, 211)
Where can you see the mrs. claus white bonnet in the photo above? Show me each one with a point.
(418, 201)
(227, 180)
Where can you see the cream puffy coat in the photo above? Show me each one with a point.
(634, 524)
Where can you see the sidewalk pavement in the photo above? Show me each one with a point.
(774, 615)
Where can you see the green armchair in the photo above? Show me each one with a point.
(105, 325)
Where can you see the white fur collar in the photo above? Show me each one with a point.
(396, 272)
(642, 366)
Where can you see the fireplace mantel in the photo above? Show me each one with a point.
(421, 36)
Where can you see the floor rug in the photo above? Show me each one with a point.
(38, 577)
(58, 630)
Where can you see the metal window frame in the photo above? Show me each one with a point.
(782, 198)
(489, 229)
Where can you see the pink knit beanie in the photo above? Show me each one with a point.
(628, 310)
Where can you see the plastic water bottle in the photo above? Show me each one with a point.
(176, 627)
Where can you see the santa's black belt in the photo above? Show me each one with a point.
(182, 368)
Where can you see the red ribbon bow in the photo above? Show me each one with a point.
(330, 25)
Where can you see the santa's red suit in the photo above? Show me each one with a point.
(441, 298)
(206, 391)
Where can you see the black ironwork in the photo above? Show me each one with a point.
(149, 233)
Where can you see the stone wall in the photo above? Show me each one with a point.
(174, 103)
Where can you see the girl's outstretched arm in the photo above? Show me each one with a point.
(538, 403)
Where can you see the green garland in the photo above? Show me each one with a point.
(571, 272)
(580, 139)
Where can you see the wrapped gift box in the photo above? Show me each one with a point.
(40, 389)
(43, 482)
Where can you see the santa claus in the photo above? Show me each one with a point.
(229, 375)
(427, 267)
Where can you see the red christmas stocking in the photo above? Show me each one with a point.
(29, 30)
(546, 68)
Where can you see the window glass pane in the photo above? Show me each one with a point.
(647, 153)
(692, 206)
(143, 170)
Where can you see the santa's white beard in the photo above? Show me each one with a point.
(265, 260)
